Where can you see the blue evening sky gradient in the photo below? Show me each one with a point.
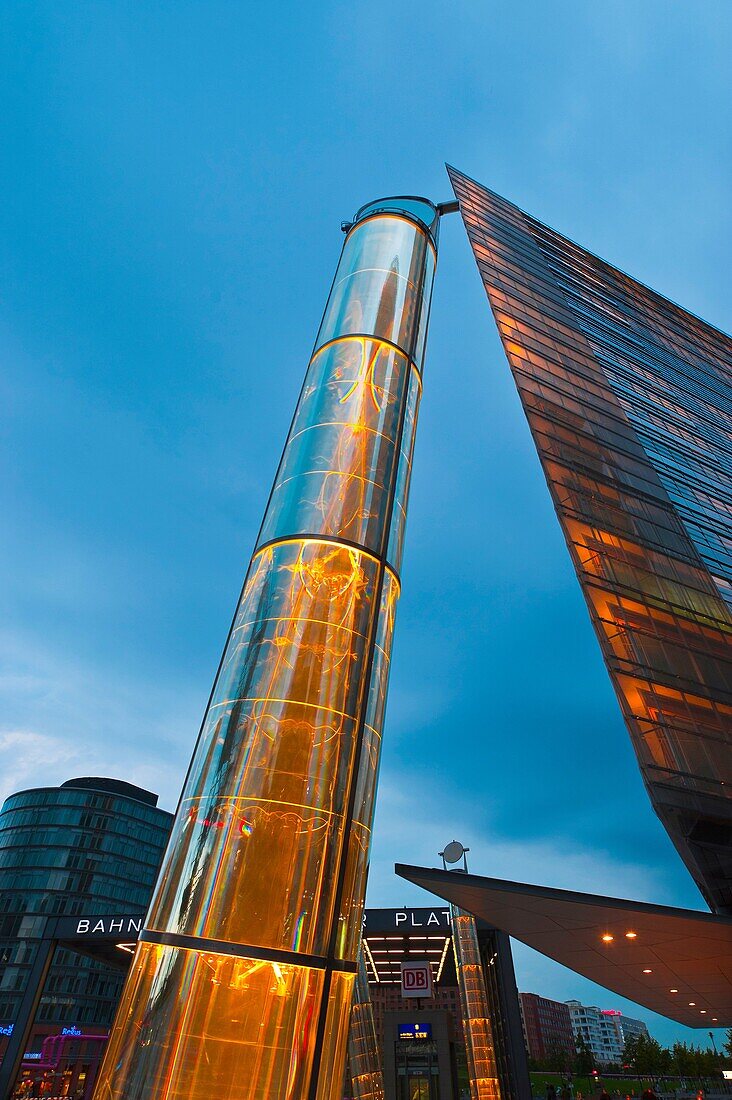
(172, 181)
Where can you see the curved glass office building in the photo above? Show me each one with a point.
(89, 847)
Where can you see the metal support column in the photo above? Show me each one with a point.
(505, 1012)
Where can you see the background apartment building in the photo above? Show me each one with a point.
(605, 1031)
(547, 1026)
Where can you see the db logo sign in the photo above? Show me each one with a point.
(416, 979)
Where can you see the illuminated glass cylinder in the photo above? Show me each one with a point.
(479, 1045)
(241, 985)
(364, 1055)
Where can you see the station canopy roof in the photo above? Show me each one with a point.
(677, 962)
(394, 936)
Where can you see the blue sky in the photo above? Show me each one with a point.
(172, 181)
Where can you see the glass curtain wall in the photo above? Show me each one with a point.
(479, 1042)
(242, 982)
(629, 401)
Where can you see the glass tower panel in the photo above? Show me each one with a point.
(243, 981)
(383, 285)
(262, 822)
(629, 400)
(206, 1015)
(335, 473)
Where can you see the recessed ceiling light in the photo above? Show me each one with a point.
(714, 1019)
(673, 990)
(607, 938)
(647, 971)
(703, 1011)
(631, 935)
(692, 1004)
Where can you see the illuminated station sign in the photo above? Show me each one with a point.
(395, 936)
(406, 920)
(415, 1031)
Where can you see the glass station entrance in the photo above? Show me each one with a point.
(417, 1070)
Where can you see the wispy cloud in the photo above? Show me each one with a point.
(26, 757)
(64, 718)
(415, 820)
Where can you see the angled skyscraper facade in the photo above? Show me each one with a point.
(629, 401)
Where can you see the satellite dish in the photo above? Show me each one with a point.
(454, 852)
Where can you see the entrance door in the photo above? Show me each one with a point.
(418, 1084)
(418, 1087)
(417, 1069)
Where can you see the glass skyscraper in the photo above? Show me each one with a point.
(629, 401)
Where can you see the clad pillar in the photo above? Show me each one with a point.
(480, 1049)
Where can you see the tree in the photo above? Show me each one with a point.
(666, 1067)
(630, 1050)
(677, 1059)
(558, 1059)
(727, 1046)
(649, 1056)
(584, 1062)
